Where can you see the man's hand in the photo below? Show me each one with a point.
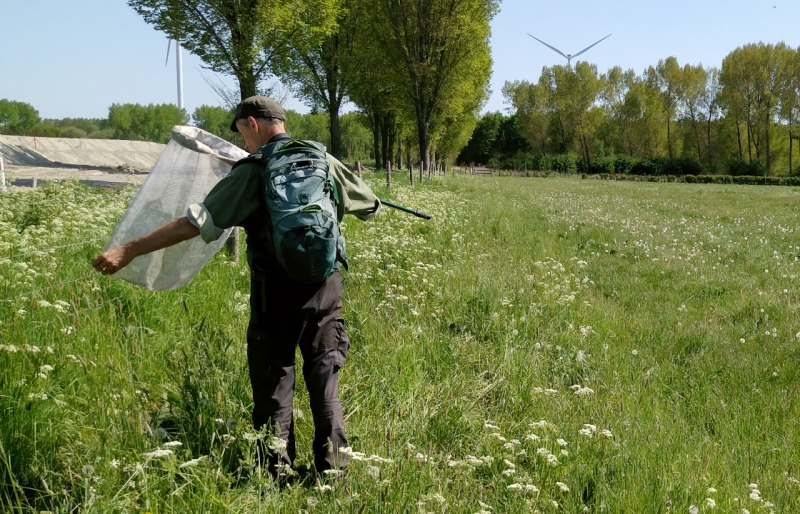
(170, 234)
(113, 260)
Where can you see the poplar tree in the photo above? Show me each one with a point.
(436, 52)
(241, 38)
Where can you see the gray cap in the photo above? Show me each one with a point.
(257, 107)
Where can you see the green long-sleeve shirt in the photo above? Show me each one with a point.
(238, 200)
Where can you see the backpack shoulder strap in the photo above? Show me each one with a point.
(253, 158)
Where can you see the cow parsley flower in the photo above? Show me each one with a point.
(156, 454)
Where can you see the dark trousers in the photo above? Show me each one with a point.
(283, 315)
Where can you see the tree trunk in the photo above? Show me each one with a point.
(376, 140)
(422, 130)
(739, 138)
(385, 155)
(708, 133)
(768, 123)
(400, 153)
(247, 84)
(335, 129)
(391, 131)
(669, 139)
(749, 145)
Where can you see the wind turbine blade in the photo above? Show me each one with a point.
(550, 47)
(169, 42)
(588, 47)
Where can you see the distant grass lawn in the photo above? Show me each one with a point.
(540, 345)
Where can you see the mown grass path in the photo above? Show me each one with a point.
(541, 344)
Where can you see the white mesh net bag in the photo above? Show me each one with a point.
(191, 164)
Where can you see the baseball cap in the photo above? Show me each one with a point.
(257, 107)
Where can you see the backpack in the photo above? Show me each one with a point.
(301, 200)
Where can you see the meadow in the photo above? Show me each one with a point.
(540, 345)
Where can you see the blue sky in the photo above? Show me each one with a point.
(74, 58)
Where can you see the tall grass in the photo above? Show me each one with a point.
(539, 345)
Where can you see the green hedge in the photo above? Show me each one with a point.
(706, 179)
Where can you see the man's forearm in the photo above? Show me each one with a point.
(170, 234)
(113, 260)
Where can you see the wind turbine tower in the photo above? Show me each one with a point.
(179, 66)
(567, 56)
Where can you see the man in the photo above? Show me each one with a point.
(283, 313)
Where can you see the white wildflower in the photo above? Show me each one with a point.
(44, 304)
(710, 503)
(172, 444)
(564, 488)
(509, 472)
(490, 426)
(606, 433)
(155, 454)
(277, 444)
(509, 464)
(192, 463)
(354, 455)
(69, 330)
(694, 509)
(532, 437)
(323, 487)
(421, 457)
(561, 442)
(46, 368)
(552, 460)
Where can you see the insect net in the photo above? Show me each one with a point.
(190, 165)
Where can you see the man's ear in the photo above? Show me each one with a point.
(253, 123)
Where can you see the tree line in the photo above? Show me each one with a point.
(738, 119)
(418, 70)
(153, 123)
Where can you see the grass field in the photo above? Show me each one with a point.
(541, 345)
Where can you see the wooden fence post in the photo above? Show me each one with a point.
(2, 176)
(388, 174)
(358, 167)
(421, 168)
(410, 174)
(232, 245)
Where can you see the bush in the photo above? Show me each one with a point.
(72, 132)
(624, 164)
(541, 162)
(683, 166)
(102, 134)
(565, 163)
(738, 167)
(603, 165)
(649, 166)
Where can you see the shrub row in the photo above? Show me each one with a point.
(621, 164)
(705, 179)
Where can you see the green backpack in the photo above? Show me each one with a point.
(301, 199)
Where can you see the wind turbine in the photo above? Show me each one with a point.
(179, 65)
(567, 56)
